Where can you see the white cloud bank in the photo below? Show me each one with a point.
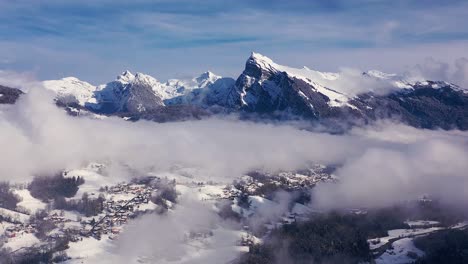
(37, 137)
(437, 70)
(40, 137)
(409, 163)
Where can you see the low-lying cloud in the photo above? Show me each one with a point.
(353, 82)
(433, 69)
(37, 137)
(413, 164)
(40, 137)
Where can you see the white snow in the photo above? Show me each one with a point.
(82, 91)
(28, 202)
(209, 192)
(126, 77)
(70, 215)
(21, 240)
(94, 180)
(403, 242)
(256, 203)
(147, 206)
(122, 196)
(375, 243)
(398, 255)
(3, 227)
(88, 247)
(460, 225)
(178, 87)
(20, 217)
(72, 89)
(221, 246)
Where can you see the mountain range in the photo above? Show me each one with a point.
(269, 90)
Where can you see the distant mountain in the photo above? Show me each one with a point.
(9, 95)
(267, 89)
(138, 93)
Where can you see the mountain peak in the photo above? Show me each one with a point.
(259, 65)
(141, 77)
(126, 76)
(261, 60)
(207, 77)
(259, 57)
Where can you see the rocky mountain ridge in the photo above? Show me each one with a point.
(271, 90)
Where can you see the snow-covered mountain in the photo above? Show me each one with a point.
(268, 88)
(346, 98)
(261, 84)
(72, 89)
(258, 82)
(136, 93)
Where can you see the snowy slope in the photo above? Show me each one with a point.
(316, 79)
(130, 93)
(72, 89)
(180, 91)
(332, 85)
(305, 73)
(28, 202)
(22, 240)
(400, 233)
(393, 79)
(15, 216)
(114, 96)
(176, 87)
(399, 253)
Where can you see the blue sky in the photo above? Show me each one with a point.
(95, 40)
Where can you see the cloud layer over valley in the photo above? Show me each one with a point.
(40, 138)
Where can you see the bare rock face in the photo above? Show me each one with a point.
(424, 107)
(264, 88)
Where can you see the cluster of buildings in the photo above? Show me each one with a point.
(15, 229)
(125, 201)
(256, 182)
(294, 180)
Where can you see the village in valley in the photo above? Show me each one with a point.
(77, 214)
(59, 221)
(94, 211)
(123, 202)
